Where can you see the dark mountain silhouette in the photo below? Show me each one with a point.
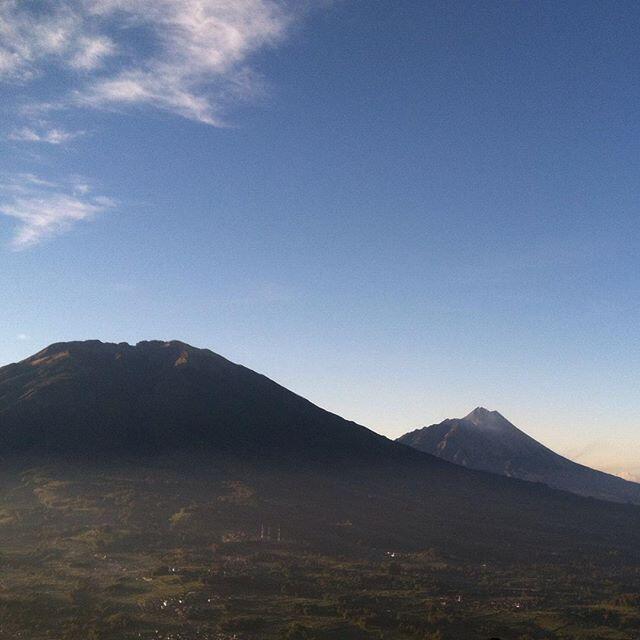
(487, 441)
(162, 396)
(175, 424)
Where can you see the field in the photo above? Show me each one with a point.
(158, 552)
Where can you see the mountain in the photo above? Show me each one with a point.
(487, 441)
(162, 491)
(168, 403)
(90, 397)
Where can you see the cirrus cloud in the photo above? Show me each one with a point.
(53, 135)
(187, 57)
(46, 33)
(44, 209)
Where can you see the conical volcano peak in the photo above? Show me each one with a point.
(480, 413)
(482, 417)
(487, 441)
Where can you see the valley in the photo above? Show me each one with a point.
(161, 552)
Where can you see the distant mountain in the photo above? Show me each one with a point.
(487, 441)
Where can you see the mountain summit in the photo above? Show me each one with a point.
(482, 417)
(487, 441)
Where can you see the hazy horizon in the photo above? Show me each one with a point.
(397, 210)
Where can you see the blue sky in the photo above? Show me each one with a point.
(400, 210)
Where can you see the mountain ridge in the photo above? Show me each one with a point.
(121, 396)
(86, 409)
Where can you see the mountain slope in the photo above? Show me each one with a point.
(88, 397)
(487, 441)
(87, 408)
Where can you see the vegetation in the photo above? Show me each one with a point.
(166, 552)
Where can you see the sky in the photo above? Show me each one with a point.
(399, 210)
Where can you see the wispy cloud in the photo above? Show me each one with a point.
(35, 34)
(193, 61)
(190, 58)
(200, 59)
(44, 209)
(90, 52)
(53, 135)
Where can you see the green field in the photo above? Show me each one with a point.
(155, 552)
